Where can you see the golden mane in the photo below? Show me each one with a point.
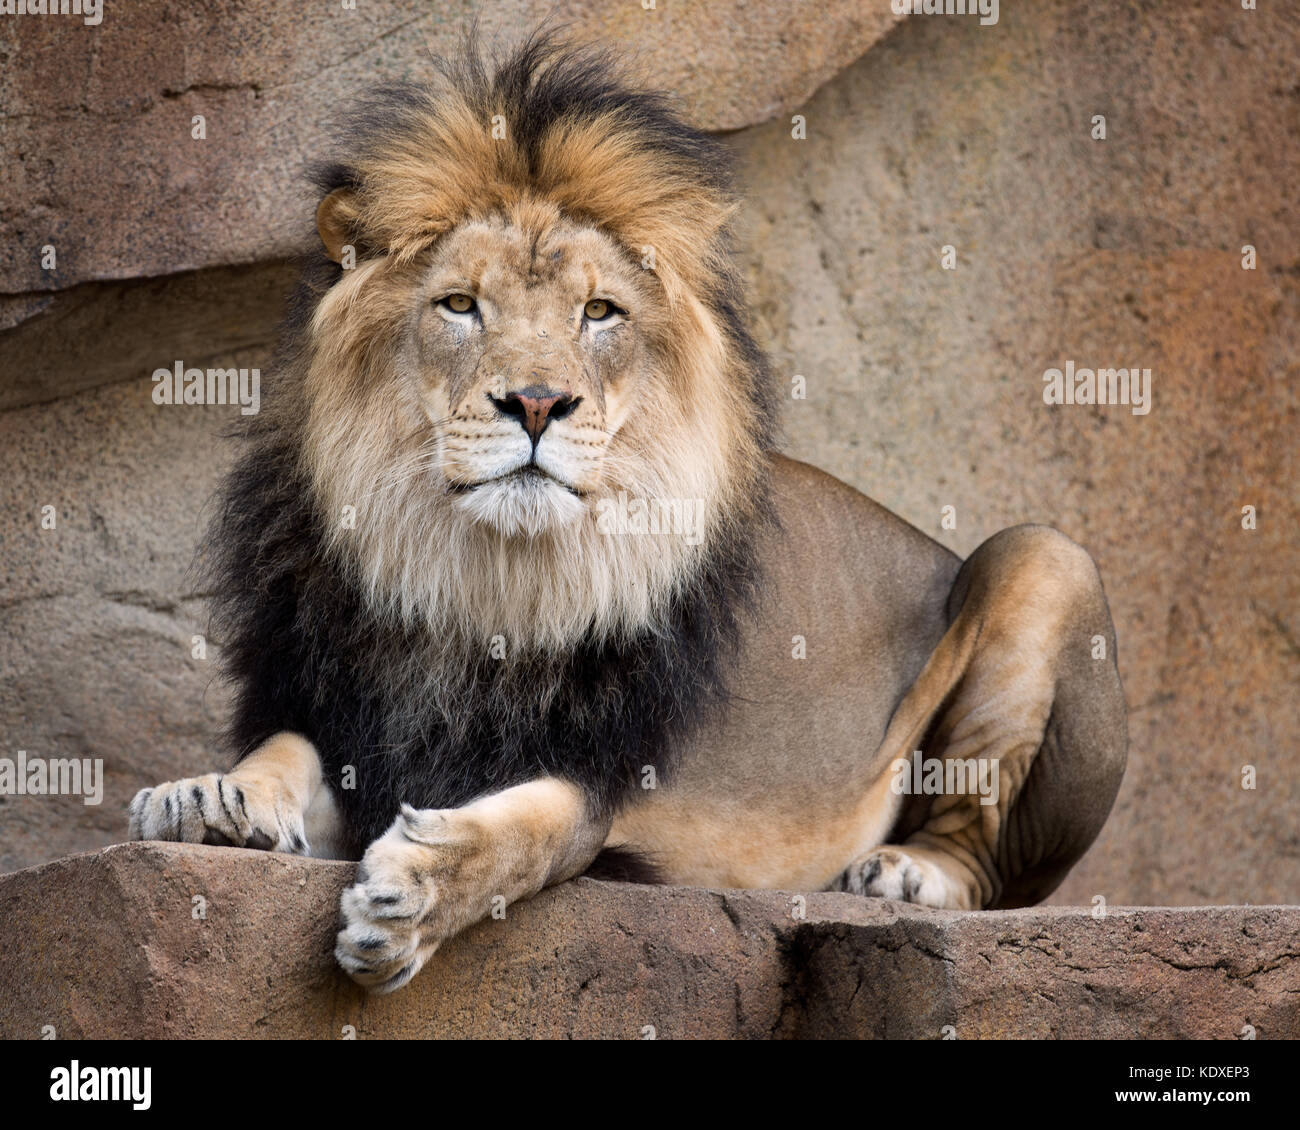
(547, 138)
(548, 125)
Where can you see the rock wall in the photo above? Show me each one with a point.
(167, 941)
(100, 119)
(923, 384)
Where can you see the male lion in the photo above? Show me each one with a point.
(511, 572)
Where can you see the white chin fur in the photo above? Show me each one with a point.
(522, 505)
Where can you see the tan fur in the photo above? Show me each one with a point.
(712, 842)
(275, 798)
(386, 437)
(436, 872)
(450, 206)
(335, 216)
(453, 169)
(792, 790)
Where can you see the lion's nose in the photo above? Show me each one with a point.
(535, 407)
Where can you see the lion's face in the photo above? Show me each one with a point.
(529, 354)
(476, 411)
(534, 320)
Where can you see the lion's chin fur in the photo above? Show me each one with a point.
(522, 505)
(527, 569)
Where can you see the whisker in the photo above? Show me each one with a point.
(392, 481)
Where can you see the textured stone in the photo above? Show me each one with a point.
(98, 615)
(96, 121)
(165, 941)
(103, 333)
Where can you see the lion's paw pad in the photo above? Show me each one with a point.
(888, 873)
(383, 941)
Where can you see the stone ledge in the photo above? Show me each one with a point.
(111, 944)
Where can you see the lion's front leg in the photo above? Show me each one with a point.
(437, 871)
(275, 799)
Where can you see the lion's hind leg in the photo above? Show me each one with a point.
(1014, 735)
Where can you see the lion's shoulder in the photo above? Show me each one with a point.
(826, 524)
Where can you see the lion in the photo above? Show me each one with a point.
(513, 584)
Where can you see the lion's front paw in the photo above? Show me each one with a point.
(424, 880)
(216, 810)
(891, 873)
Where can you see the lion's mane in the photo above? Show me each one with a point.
(343, 639)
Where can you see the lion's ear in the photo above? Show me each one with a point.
(335, 221)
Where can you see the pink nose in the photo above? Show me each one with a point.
(535, 407)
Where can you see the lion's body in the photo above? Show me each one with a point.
(458, 658)
(853, 605)
(856, 604)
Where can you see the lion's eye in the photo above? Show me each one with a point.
(458, 303)
(598, 310)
